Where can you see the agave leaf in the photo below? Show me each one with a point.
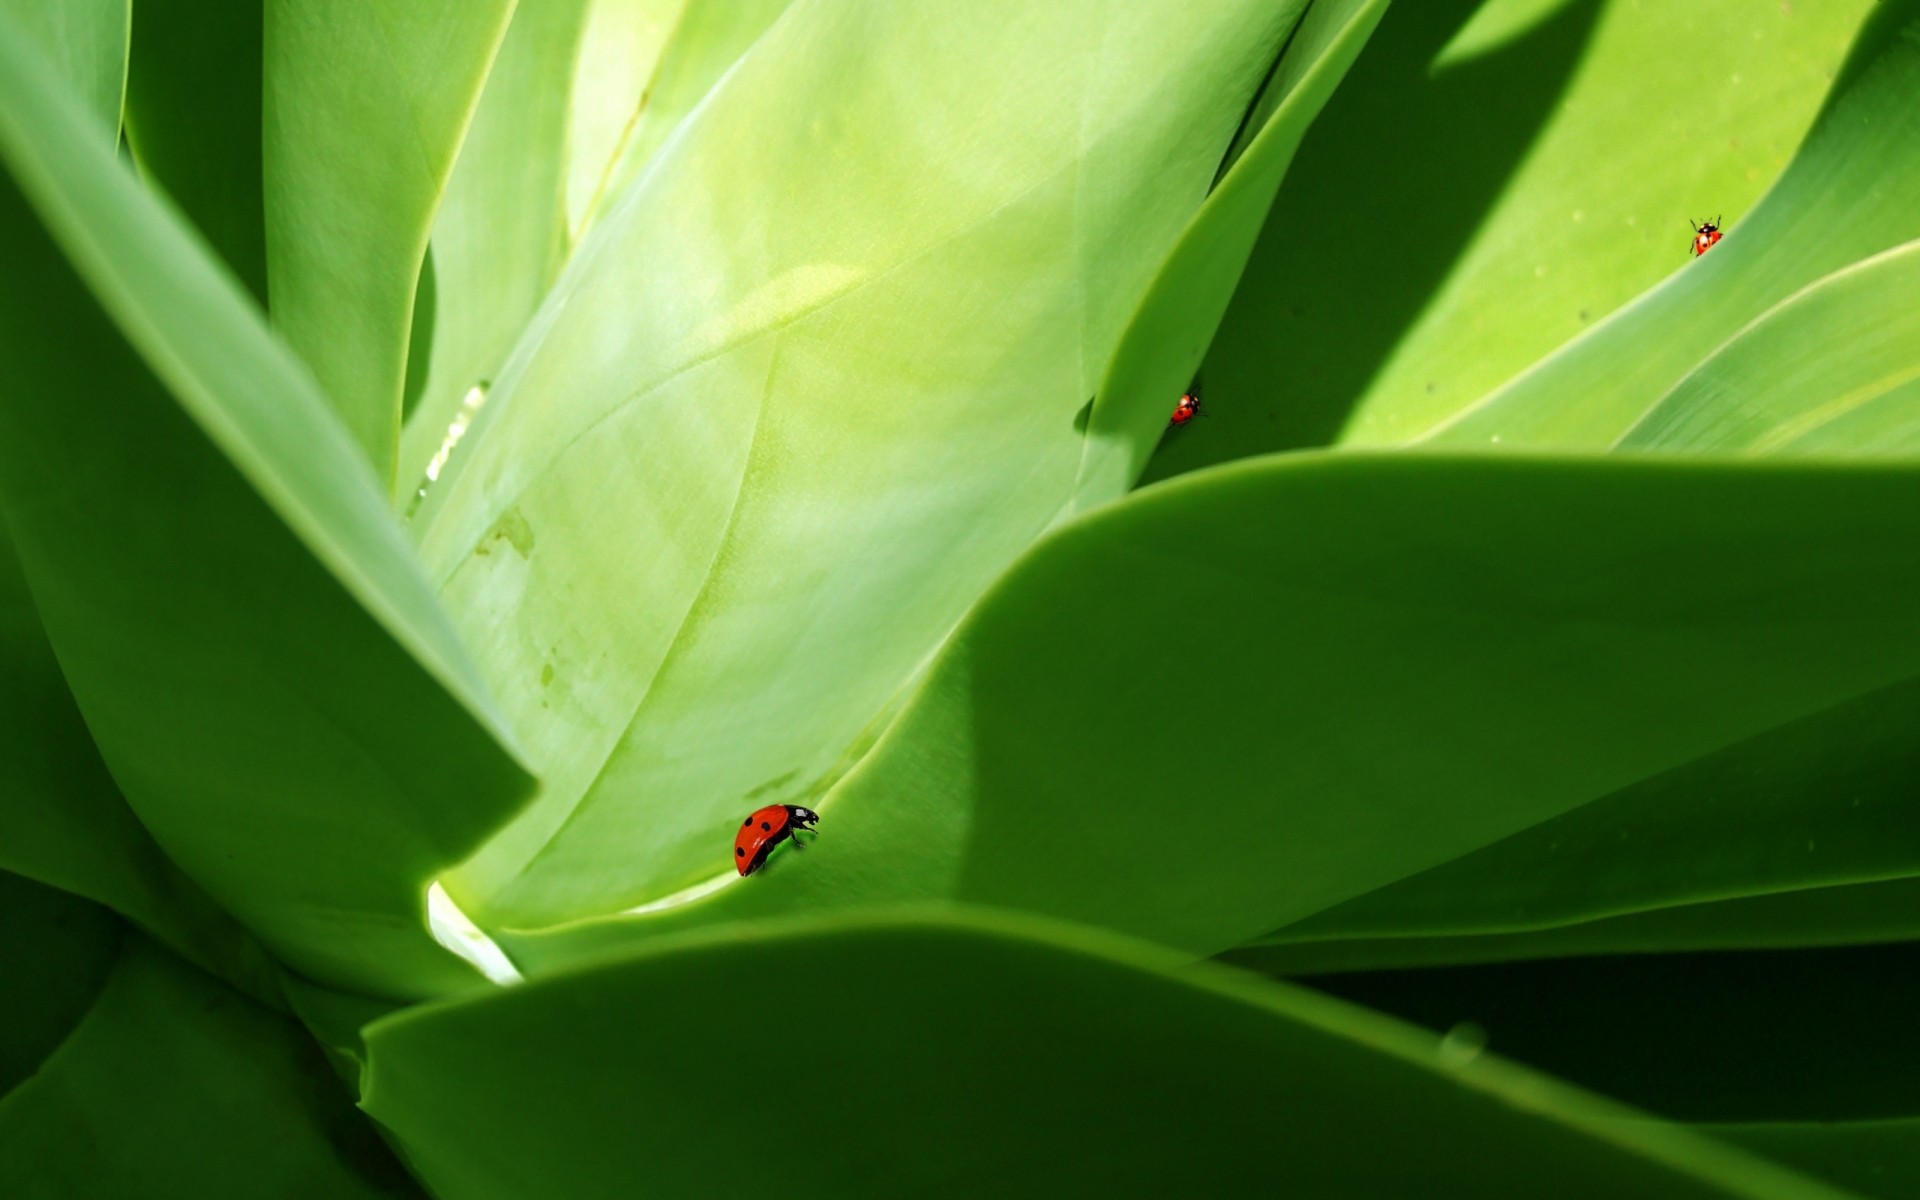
(55, 952)
(500, 236)
(1331, 671)
(697, 555)
(1821, 803)
(174, 1085)
(1179, 314)
(365, 106)
(243, 625)
(1479, 191)
(1836, 915)
(975, 1056)
(193, 122)
(1832, 370)
(84, 43)
(62, 820)
(1845, 197)
(620, 55)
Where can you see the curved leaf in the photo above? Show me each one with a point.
(193, 122)
(1845, 197)
(971, 1056)
(699, 553)
(1875, 1158)
(84, 43)
(62, 820)
(1832, 370)
(1181, 311)
(365, 106)
(265, 671)
(500, 236)
(1821, 803)
(1332, 671)
(175, 1086)
(1491, 179)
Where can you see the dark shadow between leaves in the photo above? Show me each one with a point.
(1389, 186)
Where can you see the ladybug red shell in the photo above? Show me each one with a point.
(767, 828)
(1704, 236)
(1187, 409)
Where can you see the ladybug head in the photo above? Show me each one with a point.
(804, 818)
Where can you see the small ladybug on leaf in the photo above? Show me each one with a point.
(767, 828)
(1187, 409)
(1704, 236)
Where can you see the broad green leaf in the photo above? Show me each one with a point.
(62, 820)
(1845, 197)
(500, 236)
(1832, 370)
(882, 268)
(263, 667)
(84, 43)
(173, 1085)
(1824, 802)
(365, 105)
(1874, 1158)
(1332, 671)
(613, 85)
(55, 952)
(985, 1057)
(705, 40)
(1491, 179)
(1179, 314)
(193, 121)
(1835, 915)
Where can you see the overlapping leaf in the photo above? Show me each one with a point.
(1329, 672)
(964, 1056)
(1845, 197)
(365, 104)
(265, 672)
(882, 268)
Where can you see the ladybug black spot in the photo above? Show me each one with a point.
(764, 825)
(739, 853)
(747, 824)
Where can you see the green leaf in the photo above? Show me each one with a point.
(193, 121)
(55, 952)
(1820, 803)
(173, 1085)
(1832, 370)
(704, 41)
(1875, 1158)
(613, 86)
(1491, 179)
(1332, 671)
(1835, 915)
(500, 236)
(84, 43)
(699, 555)
(64, 823)
(1179, 314)
(981, 1056)
(364, 109)
(265, 671)
(1844, 198)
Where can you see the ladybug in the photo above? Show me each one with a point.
(1187, 409)
(767, 828)
(1704, 236)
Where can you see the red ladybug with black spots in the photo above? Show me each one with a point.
(1704, 236)
(1187, 409)
(767, 828)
